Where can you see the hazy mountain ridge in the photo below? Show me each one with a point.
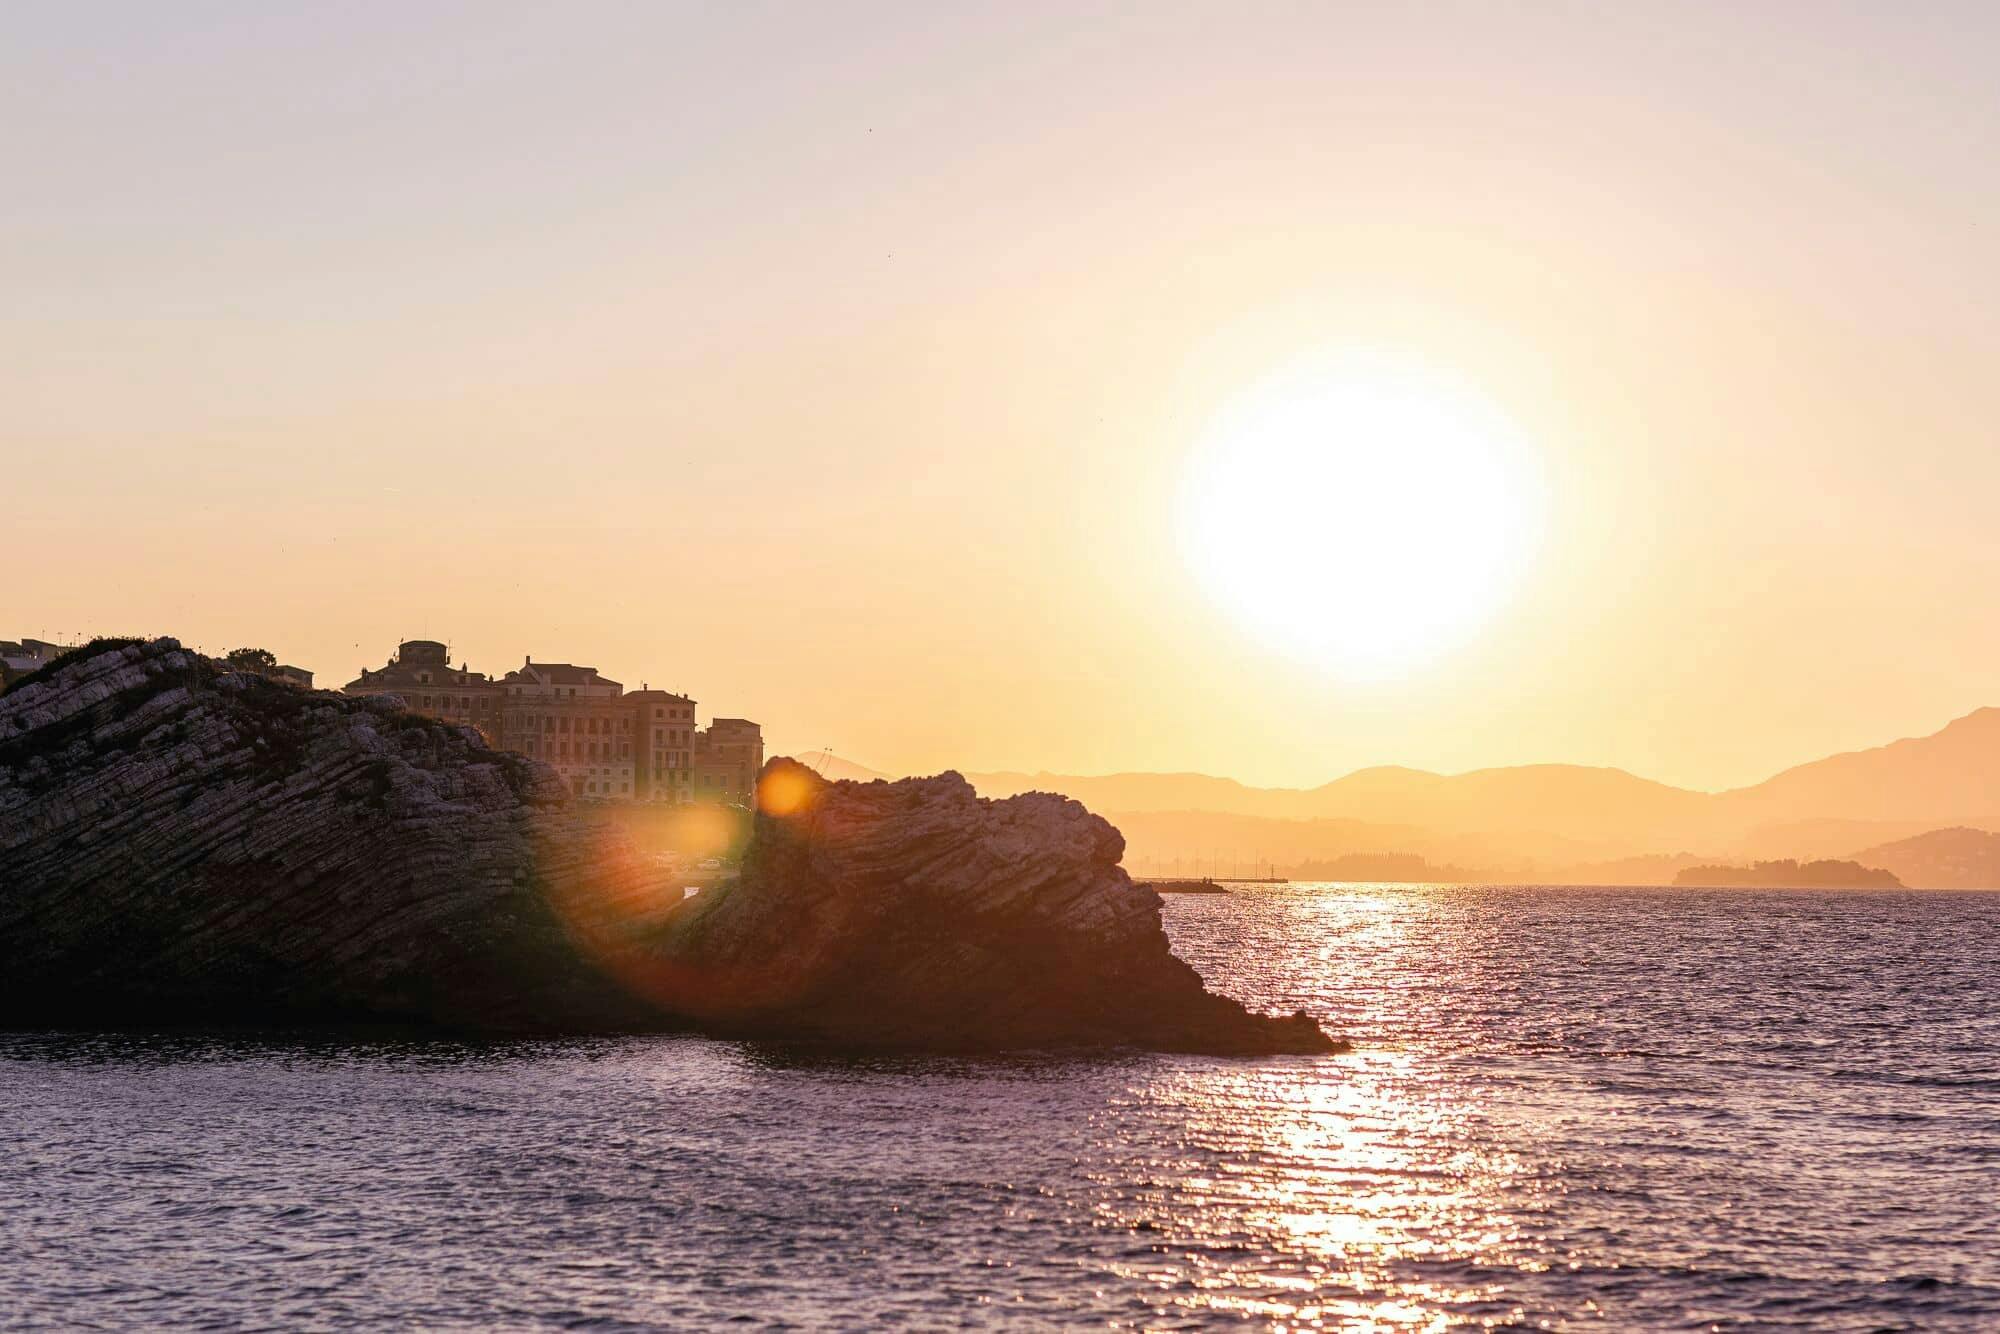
(1556, 820)
(1956, 858)
(1950, 776)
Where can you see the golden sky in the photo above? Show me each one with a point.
(842, 365)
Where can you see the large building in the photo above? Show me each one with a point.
(606, 743)
(727, 755)
(28, 655)
(664, 732)
(422, 675)
(572, 718)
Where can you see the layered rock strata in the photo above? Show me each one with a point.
(918, 914)
(179, 843)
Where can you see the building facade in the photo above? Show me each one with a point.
(574, 719)
(663, 729)
(20, 657)
(422, 675)
(606, 743)
(727, 755)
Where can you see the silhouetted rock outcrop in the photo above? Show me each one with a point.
(917, 914)
(179, 842)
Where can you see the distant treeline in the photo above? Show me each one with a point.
(1789, 874)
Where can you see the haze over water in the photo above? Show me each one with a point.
(1631, 1108)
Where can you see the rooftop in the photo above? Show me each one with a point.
(559, 674)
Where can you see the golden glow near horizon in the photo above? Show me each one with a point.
(1361, 514)
(847, 367)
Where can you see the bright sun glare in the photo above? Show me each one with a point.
(1362, 516)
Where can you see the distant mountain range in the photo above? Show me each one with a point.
(1554, 819)
(1958, 858)
(832, 766)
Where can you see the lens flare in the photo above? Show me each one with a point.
(783, 790)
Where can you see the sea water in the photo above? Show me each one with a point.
(1606, 1108)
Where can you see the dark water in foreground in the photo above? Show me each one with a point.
(1568, 1107)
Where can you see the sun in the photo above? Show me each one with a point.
(1366, 517)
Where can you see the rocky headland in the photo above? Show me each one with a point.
(180, 843)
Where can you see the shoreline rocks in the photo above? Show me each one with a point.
(918, 914)
(184, 844)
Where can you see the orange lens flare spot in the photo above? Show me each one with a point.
(698, 832)
(783, 791)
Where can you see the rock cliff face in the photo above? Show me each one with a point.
(917, 914)
(181, 843)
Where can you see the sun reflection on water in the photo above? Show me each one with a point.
(1342, 1192)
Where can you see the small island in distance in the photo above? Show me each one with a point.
(1789, 874)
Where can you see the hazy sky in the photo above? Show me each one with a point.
(839, 364)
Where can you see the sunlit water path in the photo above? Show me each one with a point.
(1602, 1108)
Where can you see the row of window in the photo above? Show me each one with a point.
(584, 787)
(588, 725)
(456, 703)
(585, 750)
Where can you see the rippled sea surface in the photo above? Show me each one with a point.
(1566, 1108)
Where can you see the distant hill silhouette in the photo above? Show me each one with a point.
(1562, 801)
(1957, 858)
(1554, 821)
(1155, 792)
(1949, 777)
(1789, 874)
(834, 768)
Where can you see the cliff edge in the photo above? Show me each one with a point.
(182, 843)
(917, 914)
